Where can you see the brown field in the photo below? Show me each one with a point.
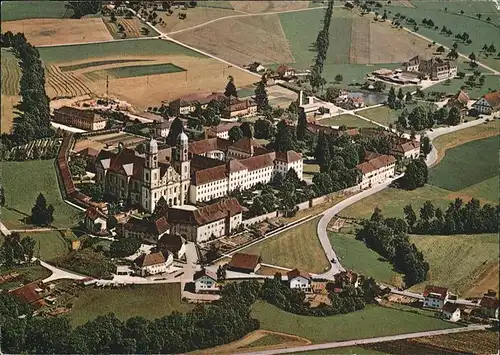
(257, 6)
(487, 280)
(59, 31)
(360, 41)
(196, 16)
(478, 342)
(132, 27)
(64, 84)
(262, 36)
(8, 112)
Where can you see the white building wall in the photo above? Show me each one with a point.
(377, 177)
(205, 283)
(300, 283)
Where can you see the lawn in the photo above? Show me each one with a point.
(373, 321)
(491, 83)
(348, 120)
(458, 261)
(480, 158)
(456, 23)
(49, 244)
(386, 116)
(298, 247)
(23, 181)
(148, 301)
(11, 73)
(392, 201)
(18, 10)
(355, 255)
(311, 168)
(86, 65)
(266, 340)
(135, 71)
(486, 190)
(123, 48)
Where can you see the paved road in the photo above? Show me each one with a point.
(59, 273)
(342, 344)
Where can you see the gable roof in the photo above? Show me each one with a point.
(224, 127)
(234, 165)
(150, 259)
(126, 162)
(376, 163)
(289, 156)
(283, 68)
(93, 213)
(154, 227)
(493, 99)
(205, 272)
(85, 115)
(296, 273)
(489, 302)
(450, 307)
(244, 261)
(259, 161)
(461, 97)
(244, 144)
(171, 242)
(206, 214)
(441, 291)
(209, 145)
(204, 176)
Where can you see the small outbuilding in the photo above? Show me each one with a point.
(247, 263)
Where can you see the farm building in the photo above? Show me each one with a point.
(285, 72)
(186, 104)
(488, 104)
(256, 67)
(144, 229)
(238, 108)
(205, 281)
(435, 296)
(247, 263)
(459, 101)
(489, 305)
(376, 169)
(434, 68)
(451, 312)
(299, 280)
(222, 130)
(154, 263)
(83, 119)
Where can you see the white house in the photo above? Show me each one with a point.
(489, 306)
(376, 169)
(154, 263)
(95, 221)
(451, 312)
(488, 104)
(162, 128)
(299, 280)
(435, 296)
(284, 71)
(205, 281)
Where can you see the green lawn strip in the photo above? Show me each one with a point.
(348, 120)
(266, 340)
(491, 83)
(355, 255)
(311, 169)
(298, 247)
(11, 73)
(392, 201)
(18, 10)
(23, 181)
(485, 190)
(480, 158)
(456, 261)
(96, 64)
(122, 48)
(136, 71)
(148, 301)
(49, 244)
(386, 116)
(373, 321)
(457, 24)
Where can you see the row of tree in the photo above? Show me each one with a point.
(422, 117)
(34, 122)
(389, 238)
(322, 44)
(459, 218)
(16, 250)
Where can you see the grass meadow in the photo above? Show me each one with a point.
(386, 116)
(491, 83)
(11, 73)
(350, 121)
(19, 10)
(86, 65)
(135, 71)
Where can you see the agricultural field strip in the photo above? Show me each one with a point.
(65, 82)
(73, 67)
(11, 73)
(135, 71)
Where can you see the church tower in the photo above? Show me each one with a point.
(151, 177)
(182, 165)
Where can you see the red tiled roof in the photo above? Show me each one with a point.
(204, 176)
(224, 127)
(493, 98)
(86, 115)
(259, 161)
(489, 302)
(296, 273)
(283, 68)
(442, 291)
(156, 227)
(125, 157)
(206, 214)
(151, 259)
(204, 272)
(245, 145)
(209, 145)
(450, 307)
(461, 97)
(27, 293)
(244, 261)
(234, 165)
(289, 156)
(376, 163)
(171, 242)
(93, 213)
(89, 151)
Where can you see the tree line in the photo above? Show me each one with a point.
(459, 218)
(389, 238)
(421, 118)
(34, 121)
(322, 43)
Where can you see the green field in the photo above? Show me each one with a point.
(266, 340)
(11, 73)
(148, 301)
(456, 23)
(479, 158)
(348, 120)
(486, 190)
(311, 169)
(355, 255)
(491, 83)
(18, 10)
(96, 64)
(456, 261)
(392, 201)
(373, 321)
(298, 247)
(123, 48)
(23, 181)
(49, 244)
(135, 71)
(386, 116)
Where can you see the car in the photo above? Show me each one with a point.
(334, 261)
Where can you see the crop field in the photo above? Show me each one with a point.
(355, 255)
(376, 321)
(460, 262)
(241, 40)
(132, 28)
(491, 82)
(86, 65)
(486, 190)
(8, 112)
(148, 301)
(18, 10)
(11, 73)
(64, 84)
(480, 157)
(59, 31)
(134, 71)
(298, 247)
(457, 23)
(268, 6)
(194, 17)
(348, 120)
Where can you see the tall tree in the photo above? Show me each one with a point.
(41, 214)
(235, 134)
(391, 99)
(261, 95)
(247, 130)
(453, 116)
(401, 94)
(175, 129)
(284, 140)
(416, 175)
(230, 88)
(264, 129)
(2, 196)
(410, 215)
(425, 146)
(78, 167)
(301, 125)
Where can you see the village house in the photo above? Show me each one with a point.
(236, 107)
(162, 127)
(488, 104)
(154, 263)
(205, 281)
(451, 312)
(299, 280)
(399, 146)
(376, 169)
(435, 296)
(187, 104)
(434, 68)
(256, 67)
(95, 221)
(83, 119)
(222, 130)
(145, 229)
(489, 305)
(285, 72)
(348, 277)
(459, 101)
(246, 263)
(199, 224)
(173, 243)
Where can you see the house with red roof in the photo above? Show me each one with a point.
(488, 104)
(246, 263)
(146, 229)
(489, 305)
(376, 169)
(299, 280)
(205, 281)
(435, 296)
(95, 221)
(154, 263)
